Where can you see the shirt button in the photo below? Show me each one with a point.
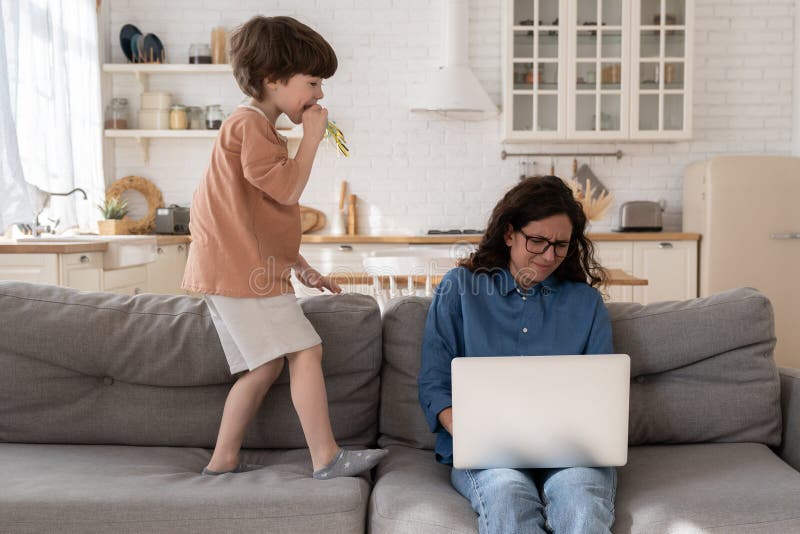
(524, 330)
(524, 298)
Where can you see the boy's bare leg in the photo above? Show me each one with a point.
(311, 403)
(241, 406)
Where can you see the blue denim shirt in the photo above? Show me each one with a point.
(488, 315)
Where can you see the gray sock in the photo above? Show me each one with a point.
(241, 468)
(350, 463)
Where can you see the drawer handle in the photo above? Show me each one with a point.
(180, 248)
(665, 245)
(160, 250)
(787, 235)
(137, 291)
(348, 248)
(84, 259)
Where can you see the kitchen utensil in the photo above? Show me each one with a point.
(585, 174)
(338, 221)
(352, 217)
(137, 48)
(153, 49)
(640, 216)
(126, 34)
(311, 219)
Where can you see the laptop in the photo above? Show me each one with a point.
(540, 411)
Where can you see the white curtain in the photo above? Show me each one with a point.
(52, 78)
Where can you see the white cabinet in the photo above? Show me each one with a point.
(129, 281)
(166, 273)
(616, 255)
(34, 268)
(597, 70)
(82, 271)
(670, 268)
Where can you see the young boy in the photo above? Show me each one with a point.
(245, 226)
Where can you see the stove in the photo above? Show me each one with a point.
(456, 231)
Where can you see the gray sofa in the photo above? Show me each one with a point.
(109, 405)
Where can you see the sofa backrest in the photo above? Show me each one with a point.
(149, 370)
(701, 370)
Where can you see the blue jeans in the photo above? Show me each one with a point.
(577, 500)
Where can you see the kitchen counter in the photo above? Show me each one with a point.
(444, 239)
(69, 247)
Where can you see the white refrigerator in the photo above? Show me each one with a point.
(747, 210)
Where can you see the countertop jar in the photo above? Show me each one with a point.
(177, 117)
(117, 114)
(197, 119)
(199, 53)
(214, 117)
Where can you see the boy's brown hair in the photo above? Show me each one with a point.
(277, 48)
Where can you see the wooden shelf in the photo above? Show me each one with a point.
(294, 133)
(165, 68)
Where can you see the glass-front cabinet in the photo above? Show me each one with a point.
(594, 70)
(661, 101)
(536, 72)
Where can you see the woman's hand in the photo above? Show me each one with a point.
(312, 278)
(446, 419)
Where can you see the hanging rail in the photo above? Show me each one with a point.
(504, 154)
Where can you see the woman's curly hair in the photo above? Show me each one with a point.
(534, 199)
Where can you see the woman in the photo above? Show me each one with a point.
(524, 291)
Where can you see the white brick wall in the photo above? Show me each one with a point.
(415, 171)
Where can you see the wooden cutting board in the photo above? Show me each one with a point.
(311, 219)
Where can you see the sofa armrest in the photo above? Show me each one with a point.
(790, 406)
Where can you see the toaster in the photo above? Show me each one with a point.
(640, 216)
(172, 220)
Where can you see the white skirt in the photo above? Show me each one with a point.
(254, 331)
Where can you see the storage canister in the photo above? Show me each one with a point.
(177, 117)
(156, 100)
(154, 119)
(117, 114)
(197, 119)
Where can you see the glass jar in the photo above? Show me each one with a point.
(197, 119)
(117, 114)
(199, 53)
(214, 117)
(219, 38)
(177, 117)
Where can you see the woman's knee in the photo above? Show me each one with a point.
(580, 499)
(501, 484)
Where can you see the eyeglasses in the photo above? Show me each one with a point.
(536, 244)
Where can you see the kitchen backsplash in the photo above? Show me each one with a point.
(416, 171)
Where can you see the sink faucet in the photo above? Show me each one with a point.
(42, 201)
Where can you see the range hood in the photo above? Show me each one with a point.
(453, 87)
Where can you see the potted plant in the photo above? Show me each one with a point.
(114, 210)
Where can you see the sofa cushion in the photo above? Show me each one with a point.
(720, 487)
(726, 487)
(401, 419)
(413, 494)
(701, 369)
(149, 370)
(106, 488)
